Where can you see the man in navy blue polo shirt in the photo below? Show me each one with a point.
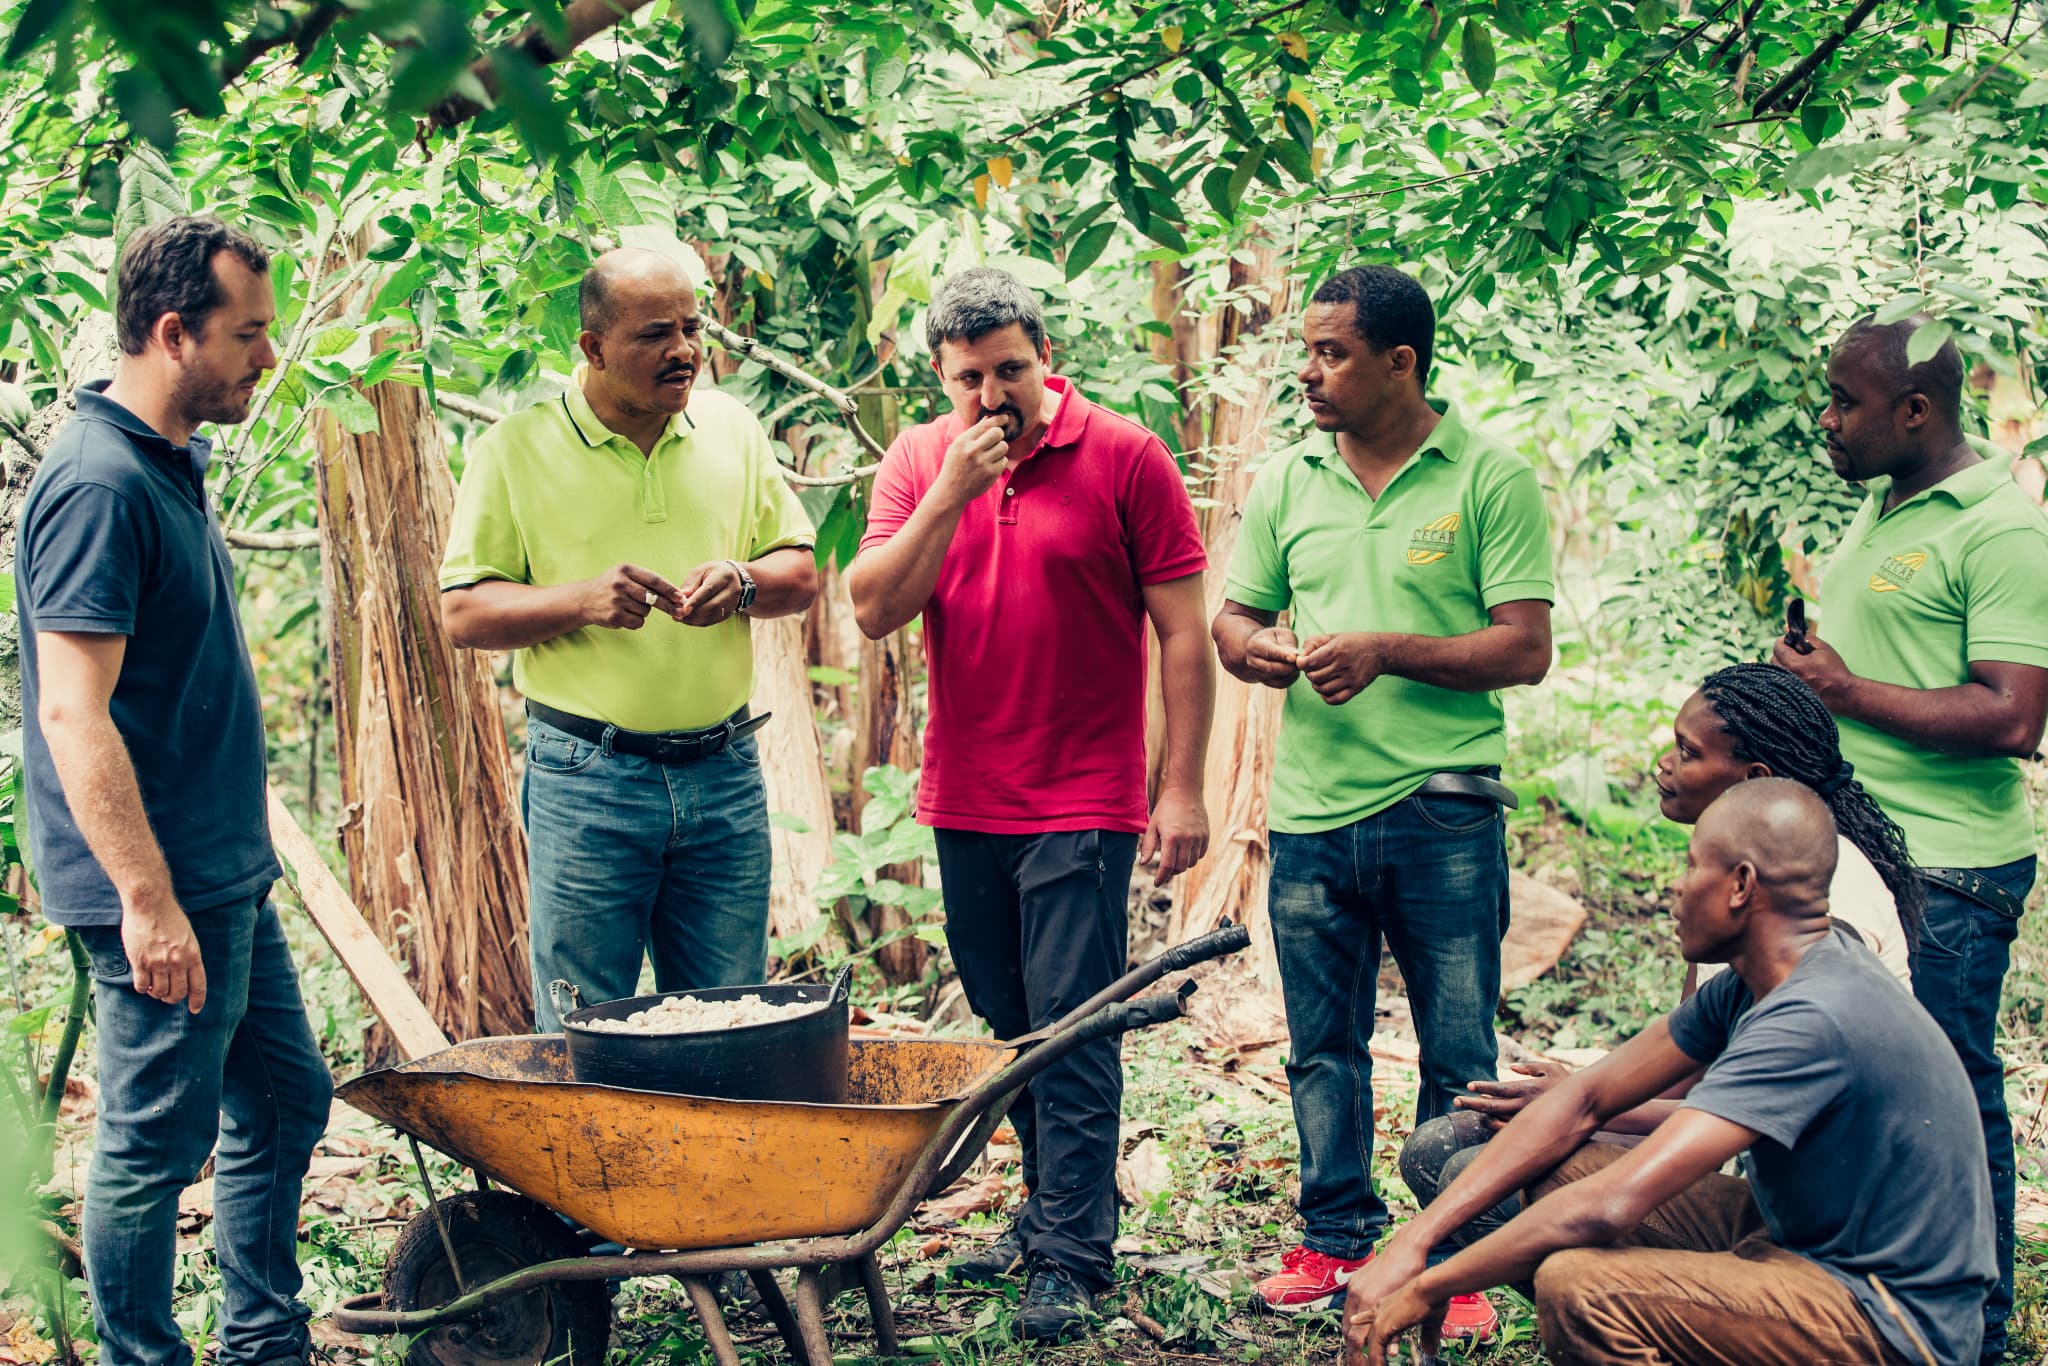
(143, 741)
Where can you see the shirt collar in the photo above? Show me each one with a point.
(593, 431)
(92, 402)
(1447, 440)
(1967, 487)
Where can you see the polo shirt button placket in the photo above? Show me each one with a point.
(1008, 515)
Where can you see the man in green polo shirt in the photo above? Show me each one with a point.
(1936, 667)
(618, 539)
(1413, 555)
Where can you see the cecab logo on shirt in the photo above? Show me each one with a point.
(1897, 571)
(1431, 543)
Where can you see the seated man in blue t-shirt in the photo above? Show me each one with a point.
(1864, 1233)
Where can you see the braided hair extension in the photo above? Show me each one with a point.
(1774, 718)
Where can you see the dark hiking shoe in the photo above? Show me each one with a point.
(1054, 1304)
(991, 1262)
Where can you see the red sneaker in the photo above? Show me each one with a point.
(1307, 1280)
(1471, 1318)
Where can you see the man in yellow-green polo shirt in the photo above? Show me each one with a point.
(619, 538)
(1412, 553)
(1935, 664)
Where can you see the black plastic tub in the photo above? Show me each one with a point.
(802, 1058)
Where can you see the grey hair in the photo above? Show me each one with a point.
(976, 302)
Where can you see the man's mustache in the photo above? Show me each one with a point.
(677, 373)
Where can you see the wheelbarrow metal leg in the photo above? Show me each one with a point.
(777, 1305)
(878, 1305)
(440, 1220)
(705, 1301)
(810, 1316)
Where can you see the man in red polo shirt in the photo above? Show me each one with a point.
(1036, 533)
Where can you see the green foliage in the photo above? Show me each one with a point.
(1597, 164)
(860, 876)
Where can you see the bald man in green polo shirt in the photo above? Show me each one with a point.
(1935, 664)
(1413, 554)
(618, 539)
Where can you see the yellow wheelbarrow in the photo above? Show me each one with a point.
(693, 1187)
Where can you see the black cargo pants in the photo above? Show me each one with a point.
(1037, 925)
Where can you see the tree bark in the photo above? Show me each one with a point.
(1231, 882)
(1182, 350)
(887, 737)
(1182, 353)
(90, 354)
(436, 852)
(793, 765)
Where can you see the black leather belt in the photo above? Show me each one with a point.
(1471, 785)
(1978, 888)
(666, 747)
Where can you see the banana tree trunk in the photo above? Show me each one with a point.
(436, 853)
(1231, 882)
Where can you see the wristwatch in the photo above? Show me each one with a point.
(746, 585)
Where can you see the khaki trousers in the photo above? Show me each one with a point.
(1699, 1283)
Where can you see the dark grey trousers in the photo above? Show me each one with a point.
(1434, 1156)
(1036, 925)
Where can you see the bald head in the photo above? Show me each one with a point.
(1780, 828)
(628, 274)
(642, 339)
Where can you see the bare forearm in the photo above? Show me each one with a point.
(891, 583)
(1643, 1119)
(1570, 1217)
(1969, 719)
(99, 785)
(1491, 658)
(1232, 633)
(1189, 686)
(500, 615)
(785, 582)
(1551, 1129)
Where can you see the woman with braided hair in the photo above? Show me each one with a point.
(1747, 721)
(1761, 721)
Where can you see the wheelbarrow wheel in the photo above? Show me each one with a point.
(496, 1233)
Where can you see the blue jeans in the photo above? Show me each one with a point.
(1958, 975)
(1429, 877)
(243, 1080)
(626, 856)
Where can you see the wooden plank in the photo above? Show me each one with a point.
(352, 939)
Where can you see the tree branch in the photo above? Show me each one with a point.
(273, 540)
(782, 414)
(582, 20)
(20, 437)
(467, 407)
(750, 349)
(1412, 185)
(1748, 18)
(302, 29)
(1168, 60)
(831, 481)
(1695, 31)
(1815, 59)
(745, 346)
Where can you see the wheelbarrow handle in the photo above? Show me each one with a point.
(1228, 939)
(1142, 1013)
(1216, 943)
